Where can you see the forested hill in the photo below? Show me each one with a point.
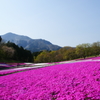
(33, 45)
(11, 51)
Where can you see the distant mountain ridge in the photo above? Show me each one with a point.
(26, 42)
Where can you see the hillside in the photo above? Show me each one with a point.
(28, 43)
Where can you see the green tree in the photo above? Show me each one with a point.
(96, 48)
(70, 54)
(52, 56)
(42, 57)
(35, 54)
(83, 50)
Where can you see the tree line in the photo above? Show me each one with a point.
(11, 51)
(69, 53)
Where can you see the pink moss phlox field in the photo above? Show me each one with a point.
(92, 58)
(5, 72)
(9, 65)
(10, 71)
(15, 64)
(72, 81)
(5, 65)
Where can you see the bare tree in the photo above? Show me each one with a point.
(9, 51)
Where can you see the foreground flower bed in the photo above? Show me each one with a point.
(73, 81)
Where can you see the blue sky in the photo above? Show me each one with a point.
(62, 22)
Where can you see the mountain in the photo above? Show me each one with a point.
(28, 43)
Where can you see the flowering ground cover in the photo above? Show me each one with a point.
(16, 64)
(7, 68)
(9, 65)
(4, 65)
(71, 81)
(23, 67)
(11, 71)
(92, 58)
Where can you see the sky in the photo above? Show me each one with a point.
(62, 22)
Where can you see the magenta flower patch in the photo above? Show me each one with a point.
(72, 81)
